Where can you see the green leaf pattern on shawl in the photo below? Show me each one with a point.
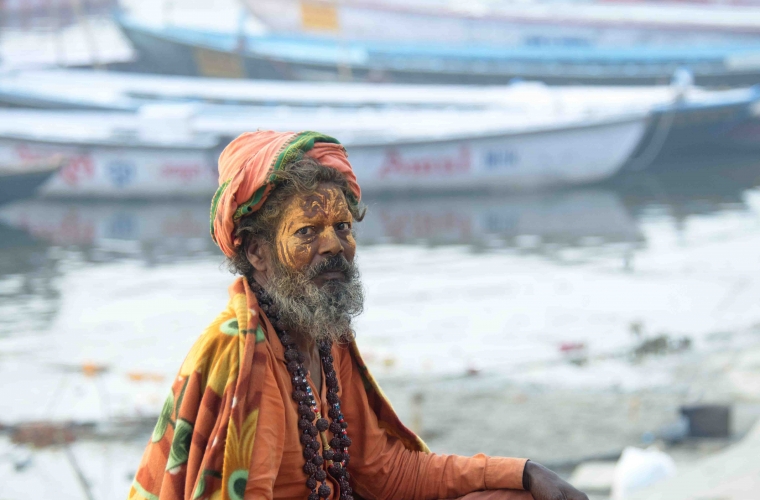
(180, 450)
(230, 327)
(163, 419)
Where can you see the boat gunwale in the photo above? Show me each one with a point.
(184, 36)
(112, 144)
(599, 122)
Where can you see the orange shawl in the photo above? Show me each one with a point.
(205, 438)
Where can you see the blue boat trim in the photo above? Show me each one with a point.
(314, 49)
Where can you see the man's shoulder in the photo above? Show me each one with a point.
(234, 321)
(224, 328)
(222, 338)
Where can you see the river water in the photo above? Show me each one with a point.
(99, 302)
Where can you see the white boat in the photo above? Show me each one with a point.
(720, 111)
(549, 23)
(86, 89)
(533, 158)
(110, 155)
(164, 151)
(90, 41)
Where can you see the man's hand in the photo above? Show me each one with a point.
(544, 484)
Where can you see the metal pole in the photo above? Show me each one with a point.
(78, 472)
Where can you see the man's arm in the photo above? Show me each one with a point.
(382, 467)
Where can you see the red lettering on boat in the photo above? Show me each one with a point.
(395, 164)
(183, 172)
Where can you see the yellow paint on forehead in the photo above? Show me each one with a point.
(321, 210)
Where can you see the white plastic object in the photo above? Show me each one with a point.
(639, 468)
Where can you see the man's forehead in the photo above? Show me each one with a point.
(326, 197)
(326, 193)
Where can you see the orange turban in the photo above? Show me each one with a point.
(246, 168)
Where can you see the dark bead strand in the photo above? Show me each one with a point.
(307, 410)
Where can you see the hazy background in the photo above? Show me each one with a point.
(559, 324)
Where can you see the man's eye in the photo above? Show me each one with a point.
(343, 226)
(304, 231)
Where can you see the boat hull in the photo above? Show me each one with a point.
(19, 185)
(689, 128)
(106, 171)
(542, 159)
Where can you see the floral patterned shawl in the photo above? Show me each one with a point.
(205, 438)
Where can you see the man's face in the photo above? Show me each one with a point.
(312, 276)
(313, 229)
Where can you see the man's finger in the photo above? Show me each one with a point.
(576, 495)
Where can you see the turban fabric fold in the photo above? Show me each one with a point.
(247, 169)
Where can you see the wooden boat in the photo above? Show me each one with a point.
(122, 169)
(120, 91)
(683, 118)
(124, 91)
(194, 52)
(696, 126)
(54, 40)
(585, 23)
(128, 156)
(22, 12)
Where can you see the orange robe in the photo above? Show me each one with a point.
(228, 429)
(381, 467)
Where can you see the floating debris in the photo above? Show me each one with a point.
(575, 352)
(88, 369)
(145, 377)
(660, 345)
(49, 434)
(43, 434)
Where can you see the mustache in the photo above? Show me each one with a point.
(335, 263)
(321, 312)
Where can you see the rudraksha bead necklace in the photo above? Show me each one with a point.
(307, 410)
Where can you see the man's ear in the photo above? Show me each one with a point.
(259, 256)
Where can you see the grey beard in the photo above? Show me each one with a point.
(321, 313)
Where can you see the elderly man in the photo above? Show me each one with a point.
(274, 400)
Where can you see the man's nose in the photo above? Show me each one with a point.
(329, 243)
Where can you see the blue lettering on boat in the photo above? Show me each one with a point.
(121, 172)
(500, 159)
